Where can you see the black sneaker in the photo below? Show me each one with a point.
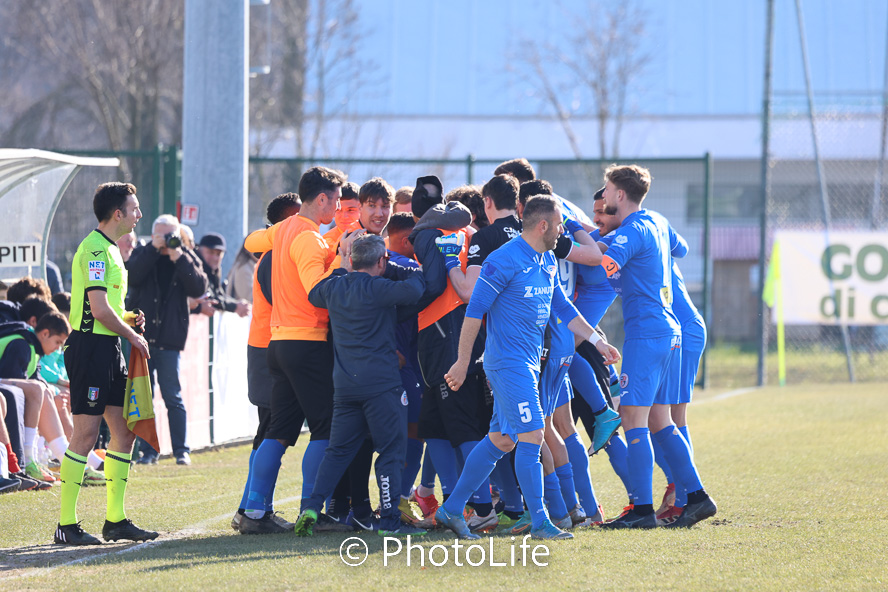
(9, 485)
(264, 525)
(125, 529)
(72, 534)
(29, 484)
(632, 520)
(328, 523)
(694, 513)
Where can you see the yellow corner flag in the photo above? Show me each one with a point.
(772, 294)
(138, 407)
(769, 293)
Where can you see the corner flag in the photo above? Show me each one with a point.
(138, 407)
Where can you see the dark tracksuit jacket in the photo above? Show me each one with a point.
(367, 384)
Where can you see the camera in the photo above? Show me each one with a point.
(172, 240)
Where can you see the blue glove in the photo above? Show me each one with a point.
(571, 225)
(450, 246)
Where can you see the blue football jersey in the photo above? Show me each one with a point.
(641, 247)
(594, 293)
(518, 290)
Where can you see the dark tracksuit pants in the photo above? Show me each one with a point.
(384, 415)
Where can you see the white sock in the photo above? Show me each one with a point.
(254, 514)
(424, 491)
(4, 462)
(30, 440)
(58, 447)
(93, 460)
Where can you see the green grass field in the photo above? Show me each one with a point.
(800, 475)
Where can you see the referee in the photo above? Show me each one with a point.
(96, 366)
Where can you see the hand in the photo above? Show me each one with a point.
(139, 343)
(450, 246)
(346, 242)
(571, 225)
(402, 361)
(243, 308)
(205, 307)
(174, 254)
(158, 241)
(610, 353)
(456, 376)
(140, 320)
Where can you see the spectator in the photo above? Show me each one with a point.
(470, 196)
(162, 275)
(54, 277)
(403, 200)
(211, 250)
(240, 277)
(26, 287)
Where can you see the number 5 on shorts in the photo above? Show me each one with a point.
(524, 410)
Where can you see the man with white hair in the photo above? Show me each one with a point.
(163, 274)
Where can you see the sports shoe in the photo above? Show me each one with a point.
(281, 521)
(548, 531)
(668, 516)
(92, 477)
(236, 521)
(632, 520)
(456, 523)
(264, 525)
(506, 522)
(305, 522)
(428, 505)
(606, 425)
(38, 472)
(29, 484)
(694, 513)
(183, 459)
(9, 485)
(370, 522)
(565, 523)
(408, 514)
(327, 523)
(483, 523)
(668, 499)
(403, 530)
(523, 525)
(625, 511)
(147, 459)
(125, 529)
(578, 514)
(72, 534)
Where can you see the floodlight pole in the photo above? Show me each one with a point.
(766, 186)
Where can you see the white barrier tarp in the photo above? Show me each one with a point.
(234, 417)
(844, 273)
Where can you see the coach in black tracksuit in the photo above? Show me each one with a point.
(368, 394)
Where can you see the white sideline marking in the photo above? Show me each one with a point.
(193, 529)
(730, 394)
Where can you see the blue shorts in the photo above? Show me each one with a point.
(565, 393)
(552, 383)
(690, 364)
(411, 382)
(651, 371)
(516, 401)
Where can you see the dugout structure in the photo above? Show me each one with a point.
(32, 183)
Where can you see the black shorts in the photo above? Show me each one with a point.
(97, 372)
(264, 422)
(461, 416)
(303, 388)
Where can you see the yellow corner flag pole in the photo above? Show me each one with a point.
(773, 297)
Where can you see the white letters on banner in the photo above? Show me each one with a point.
(842, 274)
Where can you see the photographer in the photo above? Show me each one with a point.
(211, 250)
(163, 274)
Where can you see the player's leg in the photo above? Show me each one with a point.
(33, 405)
(440, 452)
(167, 363)
(585, 381)
(579, 465)
(50, 425)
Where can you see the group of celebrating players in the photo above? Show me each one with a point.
(450, 334)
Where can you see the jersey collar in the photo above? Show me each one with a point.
(105, 236)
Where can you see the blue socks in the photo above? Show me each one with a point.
(660, 459)
(411, 465)
(640, 460)
(482, 494)
(444, 457)
(478, 466)
(678, 455)
(504, 476)
(243, 502)
(681, 496)
(617, 455)
(565, 476)
(427, 479)
(311, 462)
(529, 471)
(264, 472)
(579, 461)
(554, 498)
(582, 377)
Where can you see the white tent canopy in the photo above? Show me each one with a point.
(32, 183)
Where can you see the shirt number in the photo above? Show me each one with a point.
(524, 411)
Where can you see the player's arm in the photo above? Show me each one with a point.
(309, 252)
(402, 293)
(565, 309)
(261, 240)
(579, 231)
(102, 312)
(577, 253)
(677, 244)
(457, 373)
(318, 295)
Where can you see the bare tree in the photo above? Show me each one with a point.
(590, 72)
